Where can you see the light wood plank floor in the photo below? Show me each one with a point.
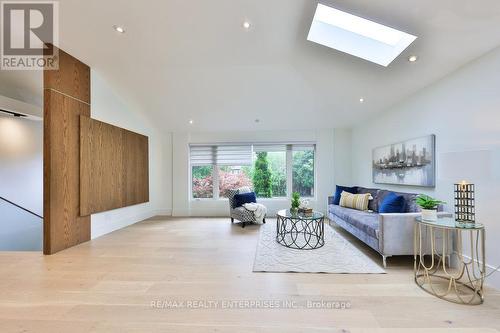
(110, 283)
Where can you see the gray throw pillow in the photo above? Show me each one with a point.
(372, 205)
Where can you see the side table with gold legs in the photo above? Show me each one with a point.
(442, 269)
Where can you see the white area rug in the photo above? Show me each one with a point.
(336, 256)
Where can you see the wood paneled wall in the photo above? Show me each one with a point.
(66, 98)
(114, 170)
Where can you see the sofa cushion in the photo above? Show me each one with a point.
(392, 203)
(409, 207)
(331, 209)
(338, 192)
(372, 205)
(364, 221)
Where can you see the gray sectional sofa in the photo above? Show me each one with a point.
(388, 234)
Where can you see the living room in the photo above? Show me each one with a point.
(252, 166)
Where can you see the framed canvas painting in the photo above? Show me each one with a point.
(411, 163)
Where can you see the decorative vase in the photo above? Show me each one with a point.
(429, 215)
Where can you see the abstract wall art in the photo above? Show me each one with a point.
(411, 163)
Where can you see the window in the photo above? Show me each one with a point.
(231, 177)
(269, 171)
(272, 171)
(216, 169)
(202, 181)
(202, 170)
(357, 36)
(303, 170)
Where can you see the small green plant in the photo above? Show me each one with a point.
(295, 200)
(427, 202)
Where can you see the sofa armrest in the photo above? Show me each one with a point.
(396, 233)
(330, 200)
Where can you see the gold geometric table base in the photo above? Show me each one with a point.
(433, 273)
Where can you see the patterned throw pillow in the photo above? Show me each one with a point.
(244, 189)
(355, 201)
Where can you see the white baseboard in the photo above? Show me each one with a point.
(163, 212)
(105, 223)
(181, 213)
(494, 277)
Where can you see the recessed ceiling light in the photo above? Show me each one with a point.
(257, 121)
(361, 100)
(412, 58)
(246, 25)
(357, 36)
(119, 29)
(191, 122)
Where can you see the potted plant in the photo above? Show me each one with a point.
(295, 202)
(429, 207)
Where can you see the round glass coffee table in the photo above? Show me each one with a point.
(454, 273)
(300, 231)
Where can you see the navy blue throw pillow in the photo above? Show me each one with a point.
(340, 189)
(392, 203)
(241, 199)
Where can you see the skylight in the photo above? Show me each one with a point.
(357, 36)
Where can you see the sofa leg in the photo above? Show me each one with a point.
(264, 220)
(384, 261)
(243, 225)
(232, 220)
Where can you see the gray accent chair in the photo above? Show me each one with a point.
(388, 234)
(240, 214)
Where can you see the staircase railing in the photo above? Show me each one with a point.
(20, 228)
(26, 210)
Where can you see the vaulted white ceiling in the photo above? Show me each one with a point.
(181, 60)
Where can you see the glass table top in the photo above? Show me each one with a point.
(450, 223)
(303, 216)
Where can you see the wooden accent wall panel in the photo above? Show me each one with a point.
(72, 78)
(135, 168)
(101, 164)
(66, 98)
(114, 167)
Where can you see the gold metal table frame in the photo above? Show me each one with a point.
(462, 284)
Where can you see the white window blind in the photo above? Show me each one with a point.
(232, 155)
(236, 155)
(302, 147)
(268, 148)
(202, 155)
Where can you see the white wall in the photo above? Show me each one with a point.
(342, 157)
(110, 108)
(21, 162)
(325, 167)
(21, 181)
(463, 110)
